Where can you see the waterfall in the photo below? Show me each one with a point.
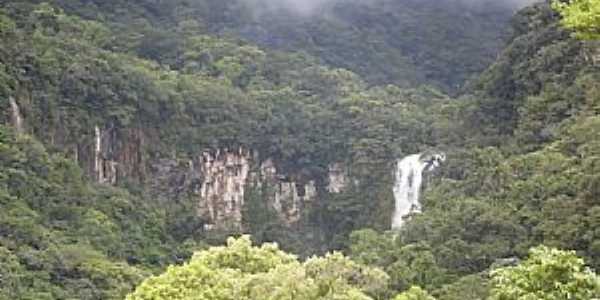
(409, 178)
(15, 113)
(98, 161)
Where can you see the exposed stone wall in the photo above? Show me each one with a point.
(287, 194)
(105, 169)
(338, 178)
(117, 154)
(225, 175)
(226, 178)
(218, 179)
(291, 197)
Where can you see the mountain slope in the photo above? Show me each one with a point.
(160, 137)
(441, 43)
(523, 172)
(407, 43)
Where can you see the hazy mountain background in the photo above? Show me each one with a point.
(408, 43)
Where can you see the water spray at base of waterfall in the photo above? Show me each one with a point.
(408, 182)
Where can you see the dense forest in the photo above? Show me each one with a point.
(210, 149)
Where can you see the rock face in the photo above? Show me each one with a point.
(225, 175)
(116, 154)
(105, 170)
(218, 180)
(338, 178)
(287, 195)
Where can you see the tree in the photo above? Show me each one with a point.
(583, 16)
(414, 293)
(10, 269)
(470, 287)
(547, 274)
(241, 271)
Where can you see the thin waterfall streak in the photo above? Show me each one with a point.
(16, 117)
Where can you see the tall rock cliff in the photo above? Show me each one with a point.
(218, 180)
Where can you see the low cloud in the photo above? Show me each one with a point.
(305, 7)
(298, 6)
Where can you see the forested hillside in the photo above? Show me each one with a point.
(137, 132)
(407, 43)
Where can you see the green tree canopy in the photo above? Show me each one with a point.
(547, 274)
(242, 271)
(583, 16)
(414, 293)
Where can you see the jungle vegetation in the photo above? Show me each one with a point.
(514, 213)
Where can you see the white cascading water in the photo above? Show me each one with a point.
(409, 178)
(16, 118)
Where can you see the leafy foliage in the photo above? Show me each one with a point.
(223, 93)
(241, 271)
(522, 142)
(546, 274)
(583, 16)
(520, 175)
(56, 237)
(414, 293)
(406, 43)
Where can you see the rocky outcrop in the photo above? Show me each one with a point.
(338, 178)
(105, 170)
(217, 180)
(291, 198)
(227, 176)
(224, 178)
(287, 194)
(117, 154)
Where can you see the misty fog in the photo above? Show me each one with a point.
(308, 6)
